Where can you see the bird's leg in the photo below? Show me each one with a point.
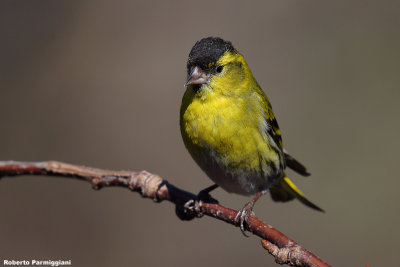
(244, 213)
(193, 205)
(204, 194)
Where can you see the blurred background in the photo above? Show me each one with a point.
(100, 83)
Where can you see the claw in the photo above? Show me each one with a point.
(243, 216)
(193, 206)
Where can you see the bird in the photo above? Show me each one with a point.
(229, 128)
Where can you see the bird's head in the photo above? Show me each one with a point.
(214, 64)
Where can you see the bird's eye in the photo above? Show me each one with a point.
(220, 68)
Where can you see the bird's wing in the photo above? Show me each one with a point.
(273, 127)
(274, 131)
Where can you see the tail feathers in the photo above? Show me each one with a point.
(286, 190)
(292, 163)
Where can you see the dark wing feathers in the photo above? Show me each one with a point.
(291, 162)
(295, 165)
(274, 131)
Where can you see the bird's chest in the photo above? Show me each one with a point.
(224, 128)
(214, 123)
(227, 138)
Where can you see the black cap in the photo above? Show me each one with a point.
(208, 50)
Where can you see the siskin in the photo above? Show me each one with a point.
(229, 128)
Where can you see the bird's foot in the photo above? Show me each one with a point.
(243, 216)
(192, 208)
(189, 210)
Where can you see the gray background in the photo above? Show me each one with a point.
(100, 84)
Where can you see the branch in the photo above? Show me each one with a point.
(284, 250)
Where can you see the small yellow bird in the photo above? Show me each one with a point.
(229, 128)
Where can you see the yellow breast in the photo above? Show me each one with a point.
(227, 134)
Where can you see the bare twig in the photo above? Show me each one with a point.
(285, 250)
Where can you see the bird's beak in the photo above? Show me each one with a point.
(197, 76)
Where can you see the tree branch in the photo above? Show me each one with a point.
(284, 250)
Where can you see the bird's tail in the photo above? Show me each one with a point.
(286, 190)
